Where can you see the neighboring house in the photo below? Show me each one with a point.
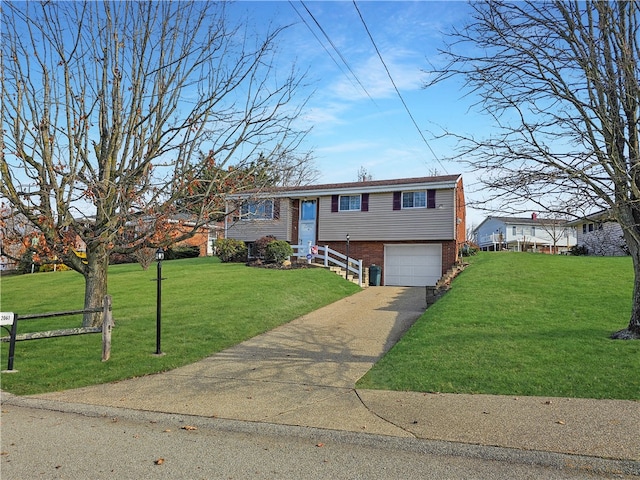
(16, 236)
(600, 235)
(412, 228)
(204, 238)
(533, 234)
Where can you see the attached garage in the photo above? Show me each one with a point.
(412, 265)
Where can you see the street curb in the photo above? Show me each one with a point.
(559, 461)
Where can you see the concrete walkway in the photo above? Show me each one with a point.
(304, 373)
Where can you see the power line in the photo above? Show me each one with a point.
(335, 48)
(319, 41)
(406, 107)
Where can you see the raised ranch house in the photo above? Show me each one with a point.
(532, 234)
(600, 235)
(410, 228)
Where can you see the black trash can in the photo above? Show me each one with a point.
(374, 275)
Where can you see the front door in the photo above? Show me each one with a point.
(307, 226)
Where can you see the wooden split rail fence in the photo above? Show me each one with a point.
(11, 319)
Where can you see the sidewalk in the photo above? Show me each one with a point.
(304, 373)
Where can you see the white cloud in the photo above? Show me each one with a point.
(324, 114)
(403, 67)
(349, 147)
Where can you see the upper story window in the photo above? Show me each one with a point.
(414, 199)
(349, 203)
(257, 210)
(514, 230)
(419, 199)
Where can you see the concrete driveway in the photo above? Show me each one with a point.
(302, 373)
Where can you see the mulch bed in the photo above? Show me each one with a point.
(286, 266)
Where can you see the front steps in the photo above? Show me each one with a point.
(352, 278)
(341, 272)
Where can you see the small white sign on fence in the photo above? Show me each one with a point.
(6, 318)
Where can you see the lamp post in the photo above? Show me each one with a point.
(346, 275)
(159, 258)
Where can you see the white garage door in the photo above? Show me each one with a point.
(412, 265)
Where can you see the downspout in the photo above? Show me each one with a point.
(226, 218)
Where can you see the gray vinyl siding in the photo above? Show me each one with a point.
(382, 223)
(605, 240)
(251, 230)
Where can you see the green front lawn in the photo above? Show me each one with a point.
(513, 324)
(206, 306)
(522, 324)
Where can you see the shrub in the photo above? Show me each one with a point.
(230, 250)
(55, 265)
(579, 250)
(118, 258)
(181, 251)
(261, 245)
(469, 249)
(145, 256)
(278, 251)
(27, 263)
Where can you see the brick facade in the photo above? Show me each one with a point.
(372, 253)
(200, 240)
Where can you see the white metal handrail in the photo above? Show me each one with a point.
(330, 256)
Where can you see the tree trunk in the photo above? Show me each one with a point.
(633, 329)
(634, 324)
(95, 278)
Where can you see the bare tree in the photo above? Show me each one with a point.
(145, 256)
(604, 239)
(105, 105)
(557, 229)
(292, 170)
(470, 234)
(364, 175)
(561, 80)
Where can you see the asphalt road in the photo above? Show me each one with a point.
(47, 444)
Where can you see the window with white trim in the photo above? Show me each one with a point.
(257, 210)
(349, 203)
(414, 199)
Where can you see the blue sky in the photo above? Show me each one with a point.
(357, 118)
(353, 128)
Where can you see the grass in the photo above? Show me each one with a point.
(522, 324)
(513, 324)
(206, 306)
